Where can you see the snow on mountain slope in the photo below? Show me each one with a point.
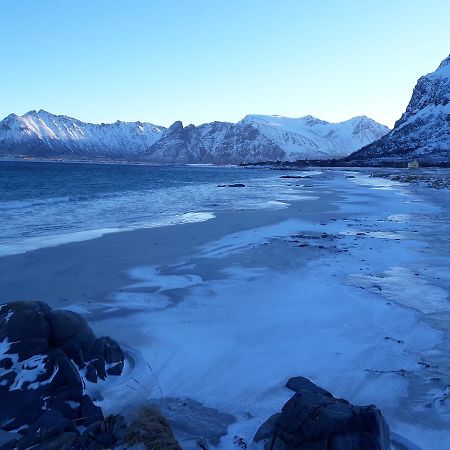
(215, 142)
(311, 138)
(44, 134)
(423, 131)
(253, 139)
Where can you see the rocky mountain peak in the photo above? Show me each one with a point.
(177, 125)
(423, 130)
(445, 63)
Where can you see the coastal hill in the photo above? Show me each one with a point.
(255, 138)
(423, 131)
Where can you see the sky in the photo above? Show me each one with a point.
(203, 60)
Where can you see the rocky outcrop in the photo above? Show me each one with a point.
(313, 419)
(423, 131)
(45, 357)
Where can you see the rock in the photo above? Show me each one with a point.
(41, 390)
(25, 326)
(105, 433)
(236, 185)
(19, 408)
(89, 412)
(113, 352)
(267, 429)
(313, 419)
(67, 381)
(298, 384)
(106, 351)
(47, 426)
(64, 441)
(91, 373)
(68, 440)
(71, 332)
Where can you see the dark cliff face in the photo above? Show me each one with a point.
(423, 131)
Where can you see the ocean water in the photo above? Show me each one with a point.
(45, 204)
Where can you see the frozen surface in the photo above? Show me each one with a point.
(352, 309)
(349, 288)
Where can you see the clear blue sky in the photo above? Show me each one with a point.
(204, 60)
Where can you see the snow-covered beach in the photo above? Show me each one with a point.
(343, 279)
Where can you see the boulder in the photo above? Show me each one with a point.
(41, 390)
(66, 440)
(107, 358)
(25, 327)
(72, 333)
(313, 419)
(89, 412)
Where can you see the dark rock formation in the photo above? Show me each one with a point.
(313, 419)
(423, 130)
(42, 352)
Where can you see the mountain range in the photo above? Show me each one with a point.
(423, 130)
(255, 138)
(42, 134)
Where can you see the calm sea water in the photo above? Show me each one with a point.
(44, 204)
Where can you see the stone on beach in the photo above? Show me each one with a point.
(42, 393)
(313, 419)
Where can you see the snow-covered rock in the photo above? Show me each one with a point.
(313, 419)
(423, 131)
(45, 359)
(43, 134)
(311, 138)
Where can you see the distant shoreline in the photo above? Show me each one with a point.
(281, 165)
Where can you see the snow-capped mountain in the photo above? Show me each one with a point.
(311, 138)
(263, 138)
(253, 139)
(215, 142)
(423, 131)
(43, 134)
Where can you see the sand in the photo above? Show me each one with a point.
(346, 286)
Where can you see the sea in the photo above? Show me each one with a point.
(45, 204)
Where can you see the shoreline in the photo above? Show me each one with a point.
(227, 309)
(104, 247)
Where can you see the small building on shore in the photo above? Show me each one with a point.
(413, 164)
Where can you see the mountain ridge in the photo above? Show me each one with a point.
(253, 139)
(308, 137)
(423, 130)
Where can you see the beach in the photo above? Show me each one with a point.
(342, 279)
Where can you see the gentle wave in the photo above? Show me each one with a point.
(35, 243)
(100, 201)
